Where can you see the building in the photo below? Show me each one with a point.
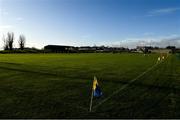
(161, 50)
(83, 49)
(59, 48)
(144, 49)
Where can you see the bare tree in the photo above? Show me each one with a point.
(6, 47)
(10, 40)
(22, 41)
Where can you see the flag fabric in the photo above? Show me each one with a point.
(96, 89)
(163, 57)
(159, 59)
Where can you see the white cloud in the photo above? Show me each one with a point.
(162, 11)
(161, 41)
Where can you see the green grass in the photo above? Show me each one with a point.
(59, 86)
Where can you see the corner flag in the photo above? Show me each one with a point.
(96, 92)
(96, 89)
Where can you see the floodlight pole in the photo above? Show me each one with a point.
(90, 107)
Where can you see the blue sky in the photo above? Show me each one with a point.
(125, 23)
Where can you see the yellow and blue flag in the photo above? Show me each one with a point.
(96, 89)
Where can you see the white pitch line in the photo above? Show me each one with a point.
(123, 87)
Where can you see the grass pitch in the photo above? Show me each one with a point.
(59, 86)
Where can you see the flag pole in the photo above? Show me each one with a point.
(90, 107)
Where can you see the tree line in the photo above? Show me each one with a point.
(9, 41)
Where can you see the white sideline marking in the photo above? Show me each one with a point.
(123, 87)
